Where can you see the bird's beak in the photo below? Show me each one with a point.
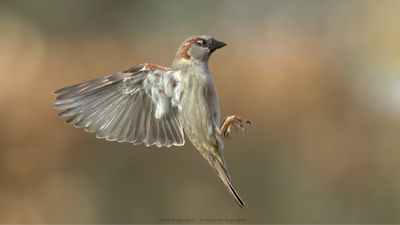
(214, 45)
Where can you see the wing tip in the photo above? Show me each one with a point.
(58, 91)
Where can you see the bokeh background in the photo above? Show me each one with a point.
(320, 80)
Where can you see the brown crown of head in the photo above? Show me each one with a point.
(198, 48)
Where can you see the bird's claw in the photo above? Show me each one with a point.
(233, 123)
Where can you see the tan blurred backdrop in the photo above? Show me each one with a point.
(320, 80)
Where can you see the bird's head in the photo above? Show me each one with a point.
(197, 48)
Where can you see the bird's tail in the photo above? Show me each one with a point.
(220, 169)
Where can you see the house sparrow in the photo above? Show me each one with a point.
(155, 105)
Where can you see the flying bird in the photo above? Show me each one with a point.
(156, 105)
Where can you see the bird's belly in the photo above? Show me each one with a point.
(197, 117)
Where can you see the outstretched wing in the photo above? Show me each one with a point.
(136, 106)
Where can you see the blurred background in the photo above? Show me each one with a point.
(320, 80)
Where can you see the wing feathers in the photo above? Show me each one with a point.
(129, 106)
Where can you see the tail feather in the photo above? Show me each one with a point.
(222, 172)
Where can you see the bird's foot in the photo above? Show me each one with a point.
(231, 123)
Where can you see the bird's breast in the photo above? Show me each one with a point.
(199, 110)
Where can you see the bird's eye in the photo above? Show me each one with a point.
(201, 42)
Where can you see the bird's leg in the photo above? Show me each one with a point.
(232, 123)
